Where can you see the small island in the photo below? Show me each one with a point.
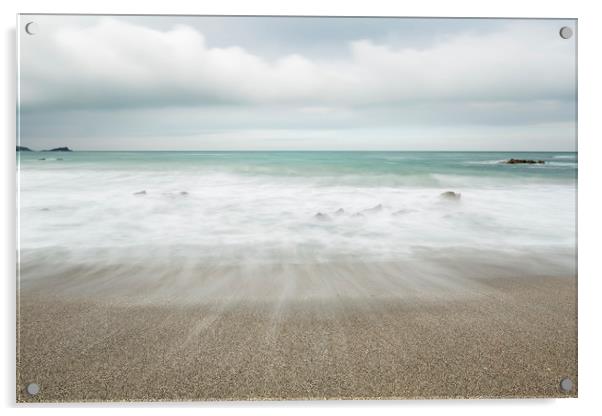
(524, 161)
(59, 149)
(56, 149)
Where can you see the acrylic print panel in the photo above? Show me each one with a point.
(232, 208)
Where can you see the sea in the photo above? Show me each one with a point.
(185, 208)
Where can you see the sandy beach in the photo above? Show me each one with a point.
(485, 337)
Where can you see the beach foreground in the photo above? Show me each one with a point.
(506, 337)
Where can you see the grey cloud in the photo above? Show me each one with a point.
(116, 63)
(154, 82)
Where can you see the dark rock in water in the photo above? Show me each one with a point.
(59, 158)
(184, 193)
(60, 149)
(452, 196)
(140, 193)
(374, 209)
(42, 158)
(339, 212)
(322, 217)
(524, 161)
(23, 149)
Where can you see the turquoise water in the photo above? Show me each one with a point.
(390, 167)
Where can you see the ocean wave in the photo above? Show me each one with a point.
(567, 164)
(257, 216)
(486, 162)
(305, 208)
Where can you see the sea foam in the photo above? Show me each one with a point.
(190, 216)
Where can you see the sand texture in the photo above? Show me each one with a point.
(494, 337)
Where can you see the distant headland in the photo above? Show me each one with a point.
(56, 149)
(59, 149)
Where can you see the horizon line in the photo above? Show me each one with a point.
(298, 150)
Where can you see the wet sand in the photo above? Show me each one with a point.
(494, 337)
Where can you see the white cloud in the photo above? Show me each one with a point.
(114, 63)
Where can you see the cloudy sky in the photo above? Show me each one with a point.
(243, 83)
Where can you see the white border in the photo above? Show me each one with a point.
(590, 209)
